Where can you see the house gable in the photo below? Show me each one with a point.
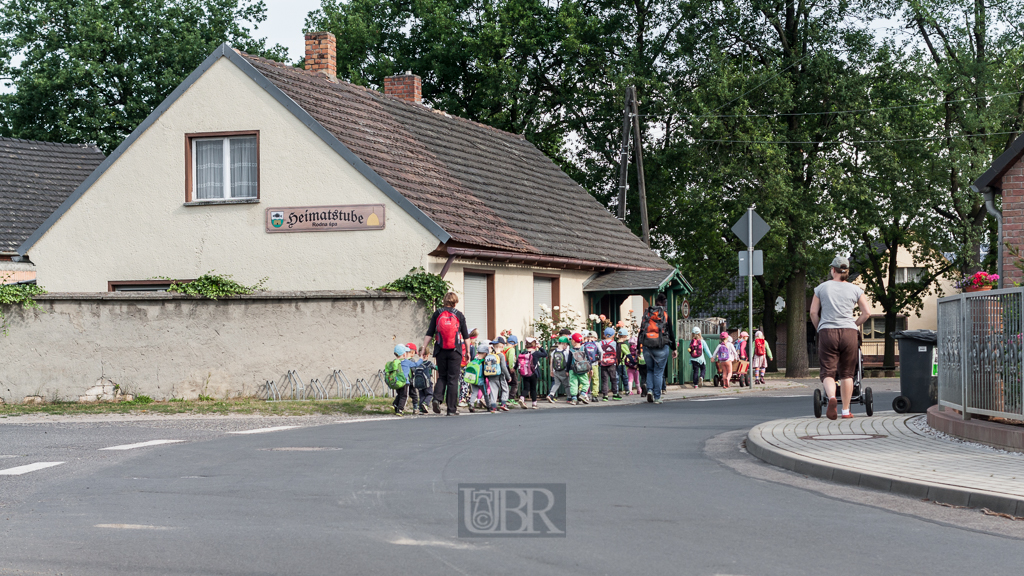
(134, 222)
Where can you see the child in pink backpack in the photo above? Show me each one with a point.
(632, 362)
(724, 355)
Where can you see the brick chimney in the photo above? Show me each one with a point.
(408, 87)
(321, 54)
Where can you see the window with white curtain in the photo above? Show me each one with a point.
(225, 168)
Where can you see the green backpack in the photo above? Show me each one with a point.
(474, 372)
(394, 376)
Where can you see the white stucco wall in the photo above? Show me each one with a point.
(929, 318)
(132, 224)
(513, 291)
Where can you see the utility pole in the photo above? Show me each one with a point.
(631, 114)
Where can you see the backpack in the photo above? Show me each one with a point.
(448, 329)
(656, 328)
(608, 355)
(394, 376)
(723, 353)
(421, 375)
(759, 347)
(525, 363)
(473, 374)
(696, 349)
(580, 363)
(631, 361)
(492, 365)
(593, 350)
(558, 362)
(466, 356)
(742, 349)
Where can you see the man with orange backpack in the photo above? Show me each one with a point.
(447, 328)
(657, 340)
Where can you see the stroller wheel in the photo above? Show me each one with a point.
(869, 402)
(817, 403)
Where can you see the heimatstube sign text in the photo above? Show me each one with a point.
(326, 218)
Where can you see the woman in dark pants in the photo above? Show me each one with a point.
(447, 360)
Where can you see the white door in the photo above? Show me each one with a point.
(541, 295)
(475, 308)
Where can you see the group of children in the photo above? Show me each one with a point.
(729, 354)
(497, 377)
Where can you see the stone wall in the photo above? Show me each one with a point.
(172, 346)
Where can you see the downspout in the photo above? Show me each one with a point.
(990, 205)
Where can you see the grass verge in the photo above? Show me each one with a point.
(248, 406)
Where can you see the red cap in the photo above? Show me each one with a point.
(411, 346)
(577, 338)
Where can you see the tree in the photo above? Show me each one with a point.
(92, 70)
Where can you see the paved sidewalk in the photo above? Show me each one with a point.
(889, 453)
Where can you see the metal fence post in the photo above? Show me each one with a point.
(964, 354)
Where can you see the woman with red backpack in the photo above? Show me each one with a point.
(447, 328)
(657, 340)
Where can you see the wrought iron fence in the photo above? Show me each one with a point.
(980, 353)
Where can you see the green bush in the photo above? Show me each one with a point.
(422, 286)
(17, 294)
(213, 286)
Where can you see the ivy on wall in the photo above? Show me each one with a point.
(421, 286)
(214, 286)
(15, 295)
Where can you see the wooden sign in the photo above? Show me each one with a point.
(326, 218)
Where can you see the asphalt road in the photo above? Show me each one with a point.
(655, 489)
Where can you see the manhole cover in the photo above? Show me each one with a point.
(302, 449)
(844, 437)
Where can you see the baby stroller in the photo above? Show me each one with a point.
(860, 395)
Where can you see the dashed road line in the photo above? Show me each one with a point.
(141, 444)
(263, 430)
(19, 470)
(132, 527)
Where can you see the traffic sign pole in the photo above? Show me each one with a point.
(750, 296)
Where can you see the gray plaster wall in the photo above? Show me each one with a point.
(172, 346)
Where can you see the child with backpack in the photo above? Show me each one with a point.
(500, 383)
(475, 379)
(593, 349)
(528, 364)
(622, 350)
(762, 354)
(743, 355)
(421, 379)
(725, 354)
(560, 359)
(511, 357)
(579, 373)
(698, 351)
(397, 379)
(468, 353)
(609, 362)
(632, 362)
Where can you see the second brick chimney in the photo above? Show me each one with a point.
(321, 54)
(408, 87)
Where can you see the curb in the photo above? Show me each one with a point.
(953, 495)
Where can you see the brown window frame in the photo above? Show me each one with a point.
(188, 162)
(113, 284)
(492, 323)
(556, 293)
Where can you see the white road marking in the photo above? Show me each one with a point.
(262, 430)
(8, 456)
(789, 396)
(438, 543)
(714, 399)
(19, 470)
(361, 420)
(141, 444)
(132, 527)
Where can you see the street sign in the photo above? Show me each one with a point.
(759, 229)
(758, 263)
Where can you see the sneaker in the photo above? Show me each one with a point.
(550, 400)
(831, 411)
(494, 410)
(658, 401)
(850, 415)
(463, 403)
(504, 408)
(453, 414)
(423, 409)
(584, 399)
(435, 406)
(650, 396)
(522, 403)
(534, 406)
(617, 397)
(573, 401)
(471, 408)
(605, 399)
(397, 413)
(700, 382)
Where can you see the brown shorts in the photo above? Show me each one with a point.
(837, 352)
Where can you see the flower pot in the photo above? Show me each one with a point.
(977, 288)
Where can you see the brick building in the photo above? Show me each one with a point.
(1006, 178)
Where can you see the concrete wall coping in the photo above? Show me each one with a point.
(1002, 436)
(266, 295)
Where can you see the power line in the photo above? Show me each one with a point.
(853, 141)
(774, 76)
(775, 114)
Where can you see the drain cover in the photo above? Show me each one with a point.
(844, 437)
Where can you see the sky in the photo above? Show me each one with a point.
(285, 19)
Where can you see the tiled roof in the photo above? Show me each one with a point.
(628, 280)
(35, 178)
(483, 186)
